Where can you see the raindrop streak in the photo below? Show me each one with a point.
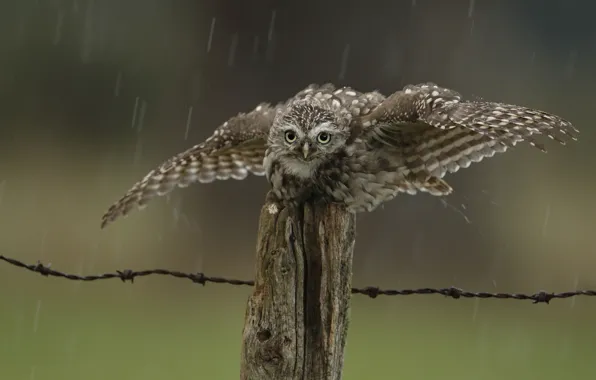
(413, 3)
(185, 220)
(270, 40)
(232, 53)
(87, 33)
(211, 30)
(188, 119)
(118, 84)
(134, 113)
(471, 8)
(271, 26)
(575, 285)
(344, 62)
(475, 312)
(175, 216)
(269, 52)
(449, 205)
(546, 218)
(58, 30)
(255, 49)
(36, 319)
(32, 373)
(44, 237)
(142, 115)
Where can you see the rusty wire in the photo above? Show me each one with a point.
(370, 291)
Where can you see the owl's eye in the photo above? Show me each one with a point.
(290, 136)
(324, 137)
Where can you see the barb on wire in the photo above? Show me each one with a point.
(370, 291)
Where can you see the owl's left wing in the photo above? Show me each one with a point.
(437, 132)
(235, 149)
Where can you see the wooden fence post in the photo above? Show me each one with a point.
(297, 317)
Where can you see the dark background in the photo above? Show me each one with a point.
(96, 93)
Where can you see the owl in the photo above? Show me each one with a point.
(357, 149)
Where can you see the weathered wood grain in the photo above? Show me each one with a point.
(297, 317)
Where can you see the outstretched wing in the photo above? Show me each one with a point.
(437, 132)
(235, 149)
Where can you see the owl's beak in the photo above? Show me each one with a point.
(305, 150)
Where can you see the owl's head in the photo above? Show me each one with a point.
(307, 132)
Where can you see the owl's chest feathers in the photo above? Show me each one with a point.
(359, 179)
(294, 179)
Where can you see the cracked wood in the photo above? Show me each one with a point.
(297, 316)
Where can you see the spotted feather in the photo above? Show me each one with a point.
(357, 148)
(235, 149)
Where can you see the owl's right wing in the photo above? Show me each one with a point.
(436, 132)
(235, 149)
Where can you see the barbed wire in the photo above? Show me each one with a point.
(370, 291)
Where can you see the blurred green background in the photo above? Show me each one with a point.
(97, 93)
